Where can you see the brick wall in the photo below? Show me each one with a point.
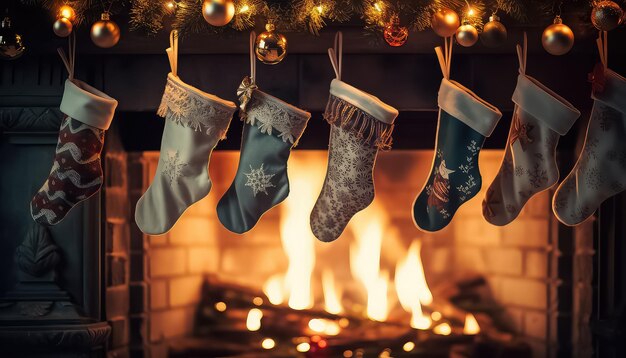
(117, 240)
(517, 260)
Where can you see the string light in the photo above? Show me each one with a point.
(244, 8)
(378, 6)
(320, 9)
(67, 12)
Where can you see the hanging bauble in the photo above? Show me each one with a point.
(557, 38)
(67, 12)
(11, 46)
(466, 35)
(606, 15)
(62, 27)
(105, 33)
(270, 47)
(218, 12)
(394, 34)
(445, 22)
(494, 33)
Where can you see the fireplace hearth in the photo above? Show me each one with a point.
(383, 289)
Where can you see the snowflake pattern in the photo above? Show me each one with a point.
(538, 176)
(273, 116)
(348, 187)
(258, 180)
(188, 109)
(594, 178)
(173, 167)
(466, 189)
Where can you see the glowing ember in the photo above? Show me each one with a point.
(365, 261)
(303, 347)
(325, 326)
(332, 300)
(297, 239)
(220, 306)
(471, 325)
(408, 346)
(411, 287)
(268, 343)
(273, 289)
(436, 316)
(253, 322)
(443, 329)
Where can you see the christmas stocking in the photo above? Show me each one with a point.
(529, 164)
(464, 122)
(600, 171)
(361, 124)
(272, 127)
(195, 122)
(76, 172)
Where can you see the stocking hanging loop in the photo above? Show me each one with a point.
(336, 55)
(69, 60)
(445, 58)
(603, 48)
(172, 52)
(252, 57)
(522, 54)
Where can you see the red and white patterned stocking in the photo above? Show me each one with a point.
(76, 173)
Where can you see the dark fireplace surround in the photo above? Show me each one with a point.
(89, 287)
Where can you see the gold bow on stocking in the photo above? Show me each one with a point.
(244, 92)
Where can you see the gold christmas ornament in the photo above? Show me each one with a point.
(218, 12)
(67, 12)
(557, 38)
(466, 35)
(494, 33)
(270, 47)
(445, 22)
(394, 34)
(62, 27)
(11, 46)
(105, 33)
(606, 15)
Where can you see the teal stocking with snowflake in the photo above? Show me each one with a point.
(464, 122)
(272, 127)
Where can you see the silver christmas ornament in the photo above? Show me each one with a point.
(11, 46)
(466, 35)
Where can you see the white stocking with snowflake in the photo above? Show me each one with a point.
(194, 122)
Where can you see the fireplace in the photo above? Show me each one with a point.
(478, 285)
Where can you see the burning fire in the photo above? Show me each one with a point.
(332, 296)
(297, 239)
(412, 288)
(471, 325)
(273, 289)
(365, 263)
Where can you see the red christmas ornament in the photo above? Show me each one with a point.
(395, 35)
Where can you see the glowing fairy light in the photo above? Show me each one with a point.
(268, 343)
(245, 8)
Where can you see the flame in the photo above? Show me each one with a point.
(471, 325)
(332, 300)
(443, 329)
(297, 239)
(253, 321)
(412, 288)
(273, 289)
(325, 326)
(365, 262)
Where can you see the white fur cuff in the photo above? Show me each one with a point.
(467, 107)
(366, 102)
(614, 94)
(87, 104)
(545, 105)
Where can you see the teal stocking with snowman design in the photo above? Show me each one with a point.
(465, 120)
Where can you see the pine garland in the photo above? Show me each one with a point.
(151, 16)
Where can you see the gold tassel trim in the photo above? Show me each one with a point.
(355, 120)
